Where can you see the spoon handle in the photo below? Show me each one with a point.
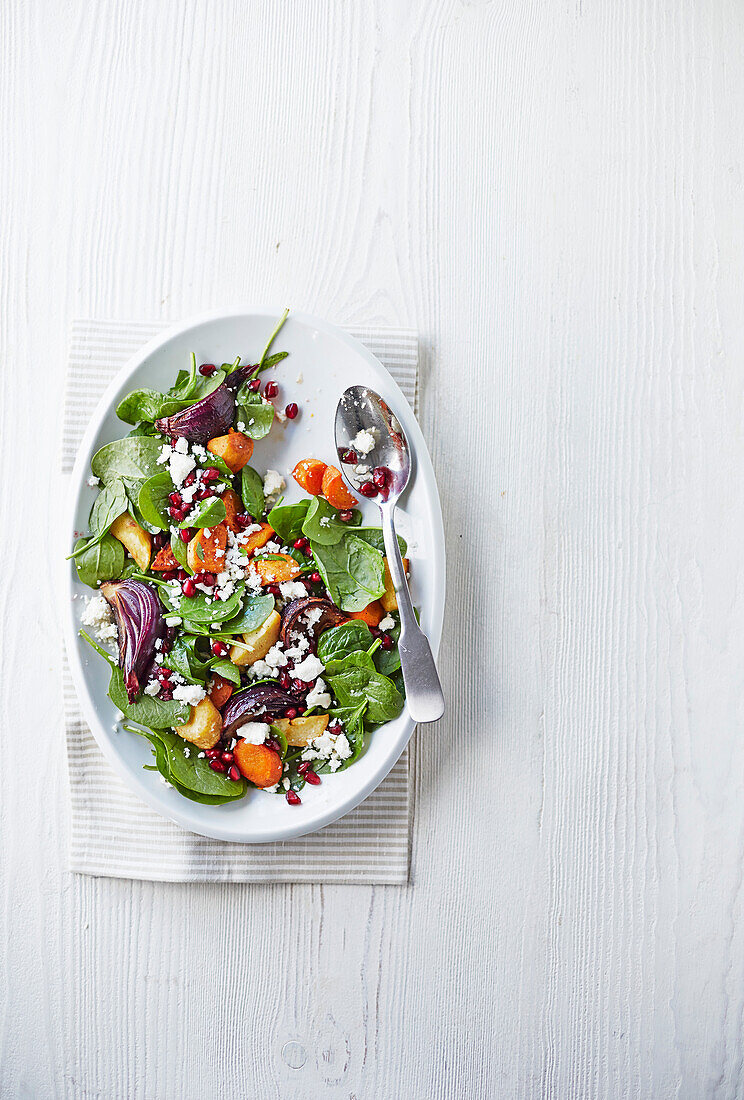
(424, 697)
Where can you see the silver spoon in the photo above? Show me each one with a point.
(361, 409)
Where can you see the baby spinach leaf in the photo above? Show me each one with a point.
(373, 535)
(206, 513)
(322, 524)
(136, 457)
(254, 613)
(185, 659)
(146, 709)
(388, 660)
(147, 406)
(251, 490)
(287, 520)
(99, 561)
(152, 500)
(256, 416)
(110, 503)
(344, 639)
(190, 775)
(352, 571)
(197, 613)
(353, 720)
(224, 667)
(354, 679)
(263, 361)
(180, 553)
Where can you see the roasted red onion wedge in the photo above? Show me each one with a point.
(295, 618)
(201, 422)
(140, 623)
(266, 698)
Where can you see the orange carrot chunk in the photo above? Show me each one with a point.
(276, 569)
(233, 507)
(258, 538)
(164, 559)
(235, 449)
(220, 690)
(309, 475)
(372, 614)
(334, 489)
(258, 763)
(207, 552)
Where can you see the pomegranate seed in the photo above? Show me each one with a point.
(184, 535)
(182, 574)
(217, 765)
(375, 632)
(273, 590)
(174, 440)
(349, 456)
(190, 479)
(316, 577)
(169, 575)
(254, 385)
(211, 474)
(302, 768)
(244, 519)
(163, 673)
(290, 712)
(207, 369)
(219, 649)
(207, 579)
(301, 544)
(299, 686)
(368, 489)
(227, 757)
(234, 773)
(286, 683)
(380, 476)
(307, 583)
(166, 693)
(271, 389)
(176, 500)
(158, 541)
(189, 587)
(212, 754)
(346, 516)
(386, 641)
(293, 798)
(291, 411)
(204, 494)
(274, 745)
(311, 777)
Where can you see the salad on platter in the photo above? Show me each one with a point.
(252, 641)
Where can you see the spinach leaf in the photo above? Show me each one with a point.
(254, 613)
(136, 457)
(354, 679)
(344, 639)
(99, 561)
(146, 709)
(287, 520)
(256, 416)
(206, 513)
(180, 553)
(224, 667)
(397, 678)
(322, 524)
(388, 660)
(184, 658)
(352, 571)
(146, 406)
(152, 500)
(373, 535)
(190, 775)
(197, 613)
(353, 720)
(110, 503)
(144, 429)
(251, 490)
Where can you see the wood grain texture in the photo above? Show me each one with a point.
(552, 194)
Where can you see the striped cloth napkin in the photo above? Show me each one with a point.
(112, 832)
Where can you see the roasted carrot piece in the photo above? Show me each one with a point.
(258, 538)
(276, 569)
(233, 507)
(235, 449)
(309, 475)
(208, 551)
(220, 690)
(334, 490)
(372, 614)
(258, 763)
(164, 559)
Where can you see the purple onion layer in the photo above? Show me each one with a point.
(140, 623)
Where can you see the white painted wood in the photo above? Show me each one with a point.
(552, 193)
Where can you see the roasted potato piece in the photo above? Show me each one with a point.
(204, 725)
(301, 731)
(133, 538)
(257, 644)
(388, 599)
(235, 449)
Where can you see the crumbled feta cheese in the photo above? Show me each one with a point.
(180, 466)
(181, 445)
(292, 590)
(301, 646)
(202, 755)
(189, 693)
(275, 658)
(255, 733)
(152, 688)
(362, 471)
(318, 695)
(262, 671)
(342, 747)
(271, 790)
(201, 452)
(309, 669)
(173, 620)
(285, 783)
(272, 547)
(365, 440)
(387, 623)
(313, 616)
(281, 415)
(93, 481)
(273, 483)
(186, 751)
(300, 379)
(100, 618)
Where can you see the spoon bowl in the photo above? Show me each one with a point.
(362, 410)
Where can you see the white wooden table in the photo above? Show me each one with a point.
(552, 193)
